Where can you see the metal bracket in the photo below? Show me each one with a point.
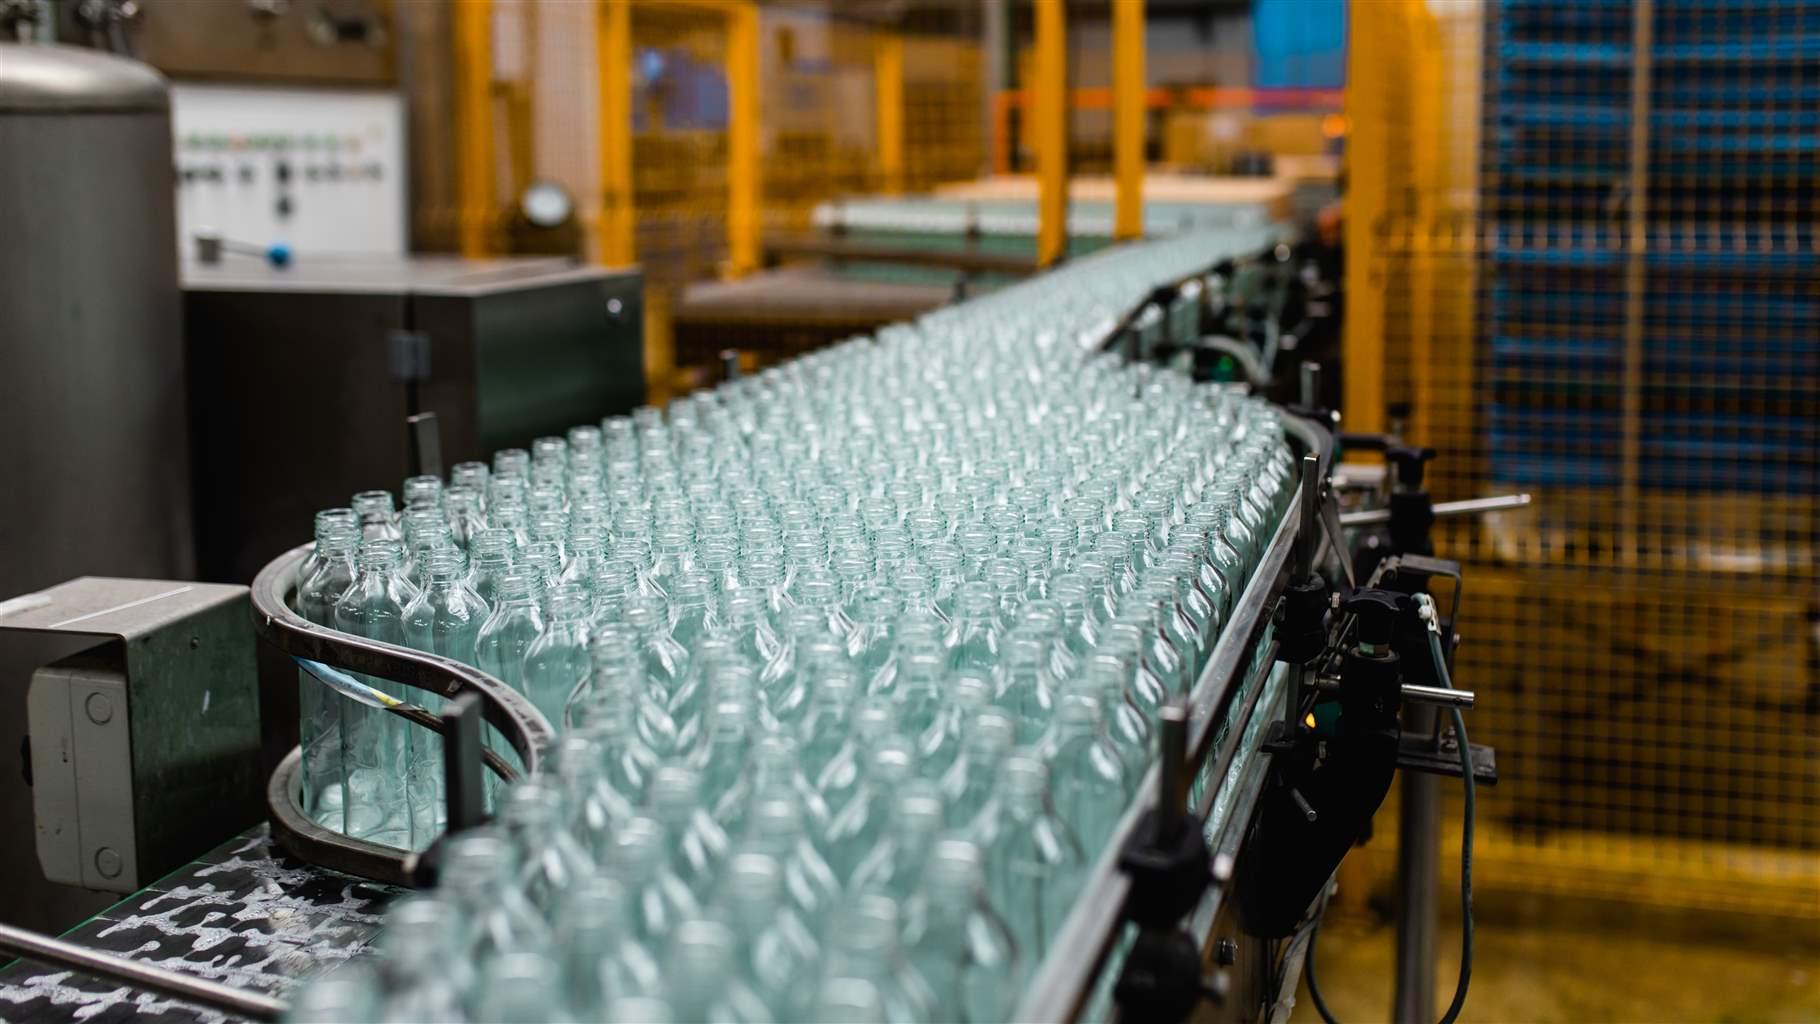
(1420, 754)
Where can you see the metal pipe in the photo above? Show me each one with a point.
(1172, 750)
(179, 986)
(1442, 510)
(1438, 696)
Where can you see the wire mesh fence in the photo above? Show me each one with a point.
(1590, 227)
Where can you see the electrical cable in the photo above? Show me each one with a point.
(1468, 812)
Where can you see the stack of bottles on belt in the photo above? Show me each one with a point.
(855, 665)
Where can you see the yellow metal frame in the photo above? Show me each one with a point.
(1050, 131)
(743, 173)
(615, 229)
(888, 94)
(475, 165)
(1128, 113)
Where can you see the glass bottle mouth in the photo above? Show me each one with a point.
(380, 555)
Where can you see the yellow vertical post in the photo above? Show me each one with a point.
(888, 93)
(742, 138)
(1128, 118)
(1372, 57)
(1050, 131)
(614, 234)
(1419, 239)
(474, 164)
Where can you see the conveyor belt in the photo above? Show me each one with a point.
(243, 914)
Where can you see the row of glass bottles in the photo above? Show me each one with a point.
(883, 628)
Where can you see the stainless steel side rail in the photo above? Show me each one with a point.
(1060, 987)
(282, 629)
(186, 988)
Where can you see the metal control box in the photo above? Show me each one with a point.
(301, 378)
(145, 747)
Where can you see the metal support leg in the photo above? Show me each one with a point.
(1418, 862)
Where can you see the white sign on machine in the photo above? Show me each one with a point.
(313, 170)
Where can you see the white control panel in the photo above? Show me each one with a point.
(316, 170)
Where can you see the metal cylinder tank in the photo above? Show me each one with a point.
(94, 456)
(93, 435)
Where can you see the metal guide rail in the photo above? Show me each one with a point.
(288, 635)
(1072, 979)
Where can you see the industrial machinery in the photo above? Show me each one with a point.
(329, 354)
(91, 362)
(1210, 891)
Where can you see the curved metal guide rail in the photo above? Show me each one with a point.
(276, 624)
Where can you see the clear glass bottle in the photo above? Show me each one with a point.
(974, 634)
(704, 981)
(1034, 863)
(970, 781)
(662, 902)
(779, 951)
(375, 743)
(665, 660)
(319, 707)
(470, 474)
(959, 943)
(692, 613)
(550, 861)
(490, 556)
(774, 825)
(556, 666)
(859, 825)
(874, 612)
(478, 879)
(601, 960)
(443, 619)
(827, 721)
(521, 988)
(894, 867)
(1087, 776)
(446, 615)
(869, 925)
(467, 519)
(424, 972)
(349, 994)
(1023, 688)
(696, 845)
(510, 629)
(378, 518)
(423, 492)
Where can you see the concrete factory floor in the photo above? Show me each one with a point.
(1533, 972)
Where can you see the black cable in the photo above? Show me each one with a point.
(1468, 812)
(1314, 989)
